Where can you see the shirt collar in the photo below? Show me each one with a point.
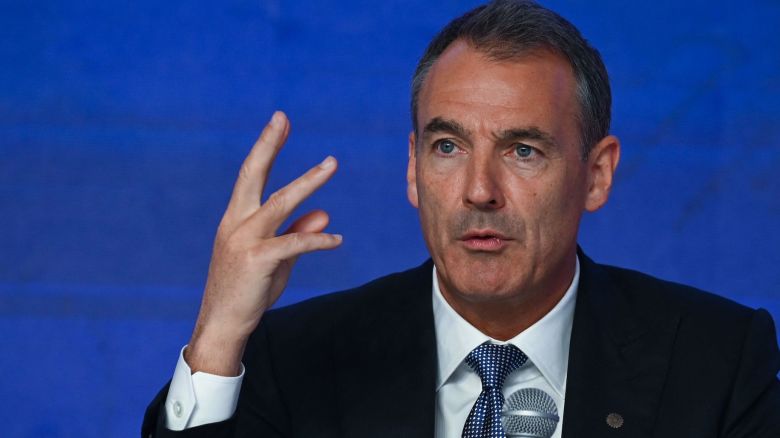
(546, 342)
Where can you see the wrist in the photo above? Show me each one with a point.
(214, 353)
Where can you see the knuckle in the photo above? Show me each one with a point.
(255, 253)
(300, 240)
(296, 241)
(236, 241)
(220, 243)
(246, 170)
(308, 242)
(276, 201)
(221, 230)
(221, 239)
(260, 255)
(226, 224)
(227, 244)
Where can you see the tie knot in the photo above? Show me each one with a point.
(493, 362)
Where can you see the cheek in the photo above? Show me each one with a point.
(560, 207)
(429, 206)
(549, 210)
(437, 198)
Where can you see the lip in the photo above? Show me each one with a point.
(484, 240)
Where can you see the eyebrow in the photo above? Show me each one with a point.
(441, 125)
(527, 133)
(448, 126)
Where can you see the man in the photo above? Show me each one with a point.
(511, 144)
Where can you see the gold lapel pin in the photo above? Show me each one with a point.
(614, 420)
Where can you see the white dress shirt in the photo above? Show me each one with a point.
(202, 398)
(546, 343)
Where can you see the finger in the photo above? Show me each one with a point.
(312, 222)
(290, 246)
(254, 171)
(280, 205)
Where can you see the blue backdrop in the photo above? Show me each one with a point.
(123, 124)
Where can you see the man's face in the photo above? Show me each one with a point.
(496, 171)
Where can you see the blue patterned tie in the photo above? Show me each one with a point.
(492, 363)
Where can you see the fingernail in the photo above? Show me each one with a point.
(276, 119)
(338, 237)
(328, 162)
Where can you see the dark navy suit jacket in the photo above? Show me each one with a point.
(671, 360)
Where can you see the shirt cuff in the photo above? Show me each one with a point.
(200, 398)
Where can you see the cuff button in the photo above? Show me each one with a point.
(177, 409)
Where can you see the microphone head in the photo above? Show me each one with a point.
(531, 413)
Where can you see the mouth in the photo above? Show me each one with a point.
(484, 240)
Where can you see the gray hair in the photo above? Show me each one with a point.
(508, 29)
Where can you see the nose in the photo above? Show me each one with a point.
(483, 189)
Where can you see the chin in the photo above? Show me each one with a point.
(482, 280)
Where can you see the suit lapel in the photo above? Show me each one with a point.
(386, 384)
(617, 361)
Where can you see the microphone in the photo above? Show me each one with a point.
(529, 413)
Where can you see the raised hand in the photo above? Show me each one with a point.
(250, 263)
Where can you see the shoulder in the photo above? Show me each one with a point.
(370, 303)
(654, 292)
(700, 313)
(323, 330)
(703, 346)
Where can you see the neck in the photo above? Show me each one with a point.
(506, 317)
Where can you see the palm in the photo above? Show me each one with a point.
(251, 264)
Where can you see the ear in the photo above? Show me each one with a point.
(411, 175)
(602, 162)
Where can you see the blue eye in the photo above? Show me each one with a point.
(523, 150)
(446, 147)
